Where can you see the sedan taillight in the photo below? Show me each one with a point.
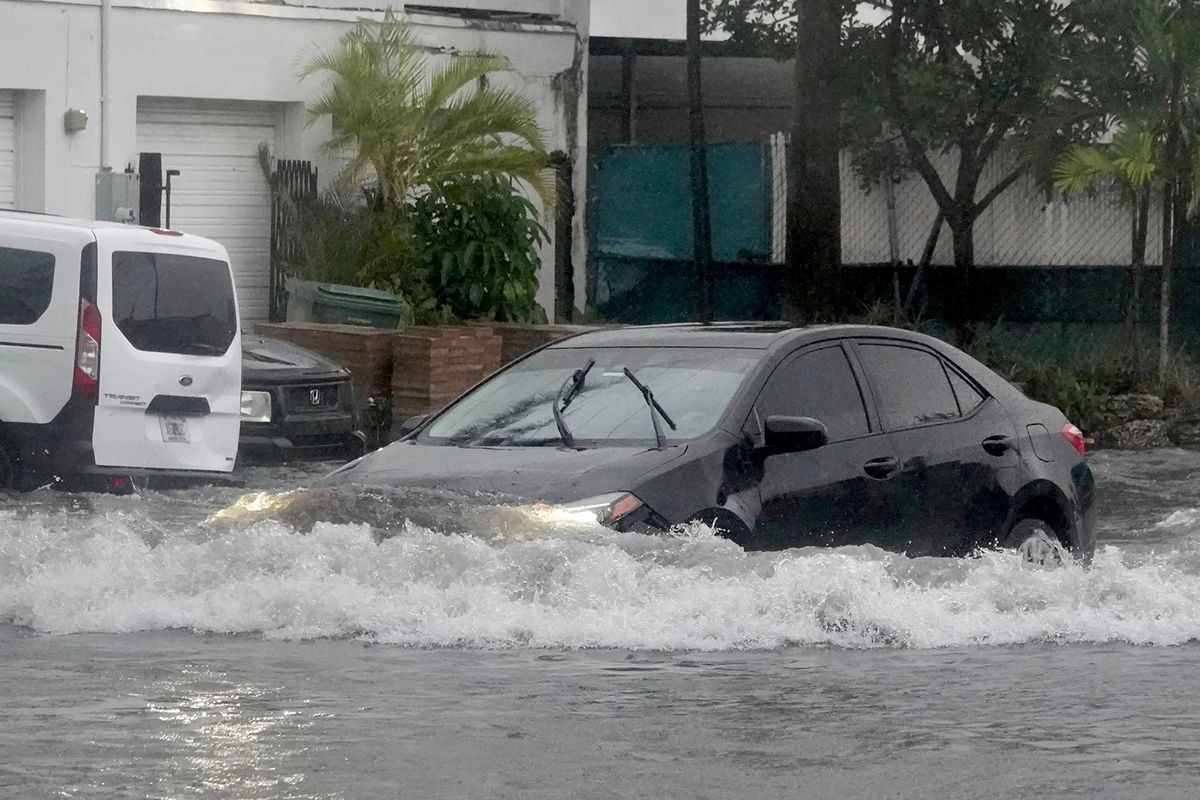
(1075, 437)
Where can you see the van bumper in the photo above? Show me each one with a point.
(60, 455)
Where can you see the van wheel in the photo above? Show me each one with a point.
(8, 467)
(1037, 543)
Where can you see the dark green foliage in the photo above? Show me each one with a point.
(478, 245)
(466, 250)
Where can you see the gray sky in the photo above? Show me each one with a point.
(655, 19)
(658, 19)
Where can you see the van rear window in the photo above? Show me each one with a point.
(168, 303)
(26, 285)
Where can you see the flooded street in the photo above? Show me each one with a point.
(146, 651)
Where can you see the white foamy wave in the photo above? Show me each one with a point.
(1180, 518)
(583, 588)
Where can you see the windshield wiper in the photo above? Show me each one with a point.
(566, 394)
(656, 410)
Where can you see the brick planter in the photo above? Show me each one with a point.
(519, 340)
(433, 366)
(367, 352)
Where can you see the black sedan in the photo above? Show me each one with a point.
(295, 403)
(780, 437)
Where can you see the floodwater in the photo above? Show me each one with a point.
(147, 651)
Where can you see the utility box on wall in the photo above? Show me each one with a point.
(117, 197)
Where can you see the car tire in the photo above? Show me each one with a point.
(9, 467)
(1037, 543)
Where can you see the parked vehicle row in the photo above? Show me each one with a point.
(121, 356)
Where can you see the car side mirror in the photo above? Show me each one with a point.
(794, 434)
(412, 423)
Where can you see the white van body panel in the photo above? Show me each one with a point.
(37, 361)
(126, 432)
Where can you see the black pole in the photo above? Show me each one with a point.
(812, 279)
(171, 173)
(701, 220)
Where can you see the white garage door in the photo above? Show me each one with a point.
(220, 191)
(8, 147)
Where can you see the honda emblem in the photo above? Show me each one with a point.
(314, 397)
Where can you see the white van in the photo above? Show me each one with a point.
(120, 353)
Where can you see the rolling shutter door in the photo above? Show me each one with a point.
(221, 192)
(8, 148)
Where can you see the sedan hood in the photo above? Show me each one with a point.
(527, 473)
(272, 360)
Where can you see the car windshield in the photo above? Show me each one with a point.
(516, 408)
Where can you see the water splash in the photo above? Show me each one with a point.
(498, 581)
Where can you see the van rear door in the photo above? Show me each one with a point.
(170, 353)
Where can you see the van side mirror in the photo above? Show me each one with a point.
(412, 423)
(794, 434)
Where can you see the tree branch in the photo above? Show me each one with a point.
(916, 151)
(999, 189)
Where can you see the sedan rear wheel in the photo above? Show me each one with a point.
(1037, 543)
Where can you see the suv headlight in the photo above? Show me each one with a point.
(256, 406)
(606, 509)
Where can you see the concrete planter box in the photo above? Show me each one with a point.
(518, 340)
(433, 366)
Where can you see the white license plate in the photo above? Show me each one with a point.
(174, 429)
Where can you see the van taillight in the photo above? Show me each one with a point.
(87, 351)
(1075, 437)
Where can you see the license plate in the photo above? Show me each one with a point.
(174, 429)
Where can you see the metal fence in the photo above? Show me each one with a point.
(1041, 257)
(1024, 227)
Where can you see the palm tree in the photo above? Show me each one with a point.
(1156, 109)
(405, 124)
(1132, 163)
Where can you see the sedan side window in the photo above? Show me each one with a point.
(968, 396)
(821, 385)
(910, 384)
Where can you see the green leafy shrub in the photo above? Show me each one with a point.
(477, 243)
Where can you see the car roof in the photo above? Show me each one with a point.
(117, 233)
(767, 336)
(56, 220)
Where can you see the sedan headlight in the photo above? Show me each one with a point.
(256, 406)
(607, 509)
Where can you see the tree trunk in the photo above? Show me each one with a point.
(1164, 302)
(1137, 262)
(963, 312)
(1173, 214)
(701, 215)
(814, 239)
(926, 259)
(889, 193)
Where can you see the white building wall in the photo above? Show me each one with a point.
(218, 50)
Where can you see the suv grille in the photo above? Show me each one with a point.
(315, 398)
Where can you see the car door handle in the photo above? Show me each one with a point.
(998, 445)
(881, 468)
